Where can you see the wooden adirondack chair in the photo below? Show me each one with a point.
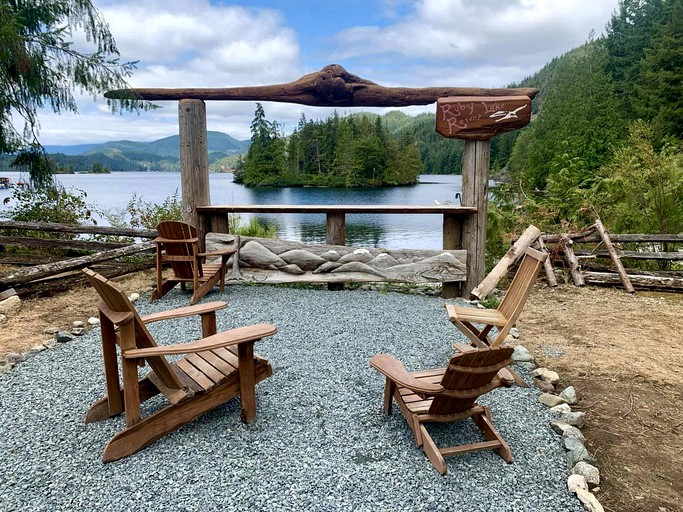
(506, 315)
(448, 395)
(217, 368)
(178, 244)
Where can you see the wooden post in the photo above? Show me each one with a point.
(194, 158)
(547, 264)
(336, 235)
(452, 232)
(475, 178)
(615, 257)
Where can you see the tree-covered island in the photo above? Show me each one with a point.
(341, 151)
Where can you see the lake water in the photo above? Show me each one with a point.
(111, 192)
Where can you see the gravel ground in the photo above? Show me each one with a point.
(320, 441)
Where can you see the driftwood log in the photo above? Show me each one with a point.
(283, 261)
(511, 256)
(55, 227)
(26, 275)
(615, 257)
(572, 261)
(547, 264)
(332, 86)
(646, 282)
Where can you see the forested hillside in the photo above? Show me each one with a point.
(607, 137)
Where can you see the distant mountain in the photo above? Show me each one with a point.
(170, 146)
(78, 149)
(127, 155)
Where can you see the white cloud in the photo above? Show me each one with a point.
(467, 36)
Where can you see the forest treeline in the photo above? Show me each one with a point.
(340, 151)
(607, 139)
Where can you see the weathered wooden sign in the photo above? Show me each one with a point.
(481, 117)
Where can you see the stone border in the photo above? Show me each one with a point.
(584, 476)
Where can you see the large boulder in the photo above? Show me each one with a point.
(303, 259)
(253, 254)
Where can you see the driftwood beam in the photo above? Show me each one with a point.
(77, 228)
(332, 86)
(615, 257)
(26, 275)
(572, 261)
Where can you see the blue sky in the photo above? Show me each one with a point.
(411, 43)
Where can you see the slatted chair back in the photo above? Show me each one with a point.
(184, 250)
(113, 303)
(469, 376)
(519, 289)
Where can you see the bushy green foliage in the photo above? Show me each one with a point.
(641, 189)
(145, 214)
(254, 227)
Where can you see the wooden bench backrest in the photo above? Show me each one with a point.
(473, 371)
(114, 300)
(175, 230)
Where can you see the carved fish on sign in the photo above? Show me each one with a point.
(480, 118)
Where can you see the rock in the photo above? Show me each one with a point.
(37, 348)
(577, 455)
(10, 306)
(359, 255)
(330, 255)
(292, 269)
(4, 368)
(577, 485)
(383, 260)
(253, 254)
(572, 432)
(544, 386)
(550, 400)
(442, 267)
(522, 355)
(51, 330)
(546, 375)
(480, 305)
(51, 343)
(571, 443)
(63, 337)
(561, 409)
(559, 426)
(3, 318)
(575, 419)
(133, 297)
(328, 266)
(569, 395)
(590, 473)
(530, 367)
(93, 321)
(303, 259)
(78, 323)
(515, 332)
(13, 358)
(509, 339)
(78, 331)
(357, 266)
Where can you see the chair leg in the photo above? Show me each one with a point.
(388, 395)
(432, 451)
(245, 355)
(485, 424)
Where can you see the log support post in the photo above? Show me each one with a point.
(194, 158)
(336, 235)
(452, 232)
(475, 177)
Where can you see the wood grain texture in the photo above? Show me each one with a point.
(481, 117)
(194, 158)
(332, 86)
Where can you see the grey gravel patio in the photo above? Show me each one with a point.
(320, 441)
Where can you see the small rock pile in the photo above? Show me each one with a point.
(566, 423)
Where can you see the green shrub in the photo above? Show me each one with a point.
(144, 214)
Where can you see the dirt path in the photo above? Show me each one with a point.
(623, 354)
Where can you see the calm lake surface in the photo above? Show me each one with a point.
(111, 192)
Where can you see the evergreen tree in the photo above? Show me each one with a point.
(40, 67)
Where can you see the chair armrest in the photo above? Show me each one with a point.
(198, 309)
(161, 240)
(222, 252)
(464, 349)
(393, 369)
(223, 339)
